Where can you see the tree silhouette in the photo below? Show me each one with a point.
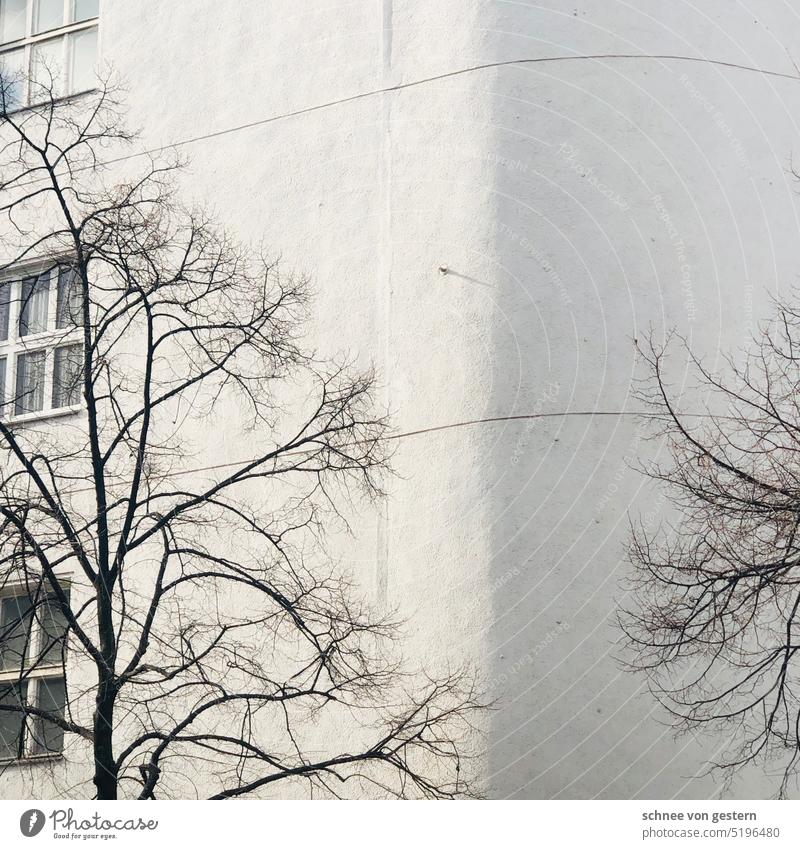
(173, 456)
(717, 583)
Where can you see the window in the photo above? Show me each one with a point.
(44, 42)
(33, 645)
(41, 347)
(29, 391)
(67, 375)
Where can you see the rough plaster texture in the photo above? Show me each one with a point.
(574, 201)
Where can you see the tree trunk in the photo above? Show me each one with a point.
(105, 768)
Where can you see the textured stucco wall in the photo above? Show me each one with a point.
(628, 192)
(574, 201)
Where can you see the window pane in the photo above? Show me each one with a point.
(12, 723)
(68, 302)
(47, 69)
(48, 737)
(13, 15)
(54, 631)
(47, 14)
(12, 73)
(30, 383)
(5, 303)
(2, 383)
(84, 60)
(15, 629)
(85, 9)
(33, 306)
(67, 375)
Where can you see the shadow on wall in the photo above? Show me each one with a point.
(585, 260)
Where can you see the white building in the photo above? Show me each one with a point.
(493, 199)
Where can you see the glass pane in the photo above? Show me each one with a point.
(48, 737)
(2, 383)
(12, 723)
(47, 14)
(12, 74)
(5, 304)
(67, 375)
(30, 383)
(68, 302)
(15, 629)
(13, 14)
(33, 307)
(85, 9)
(54, 631)
(47, 69)
(84, 60)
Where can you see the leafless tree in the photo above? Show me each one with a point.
(172, 625)
(717, 583)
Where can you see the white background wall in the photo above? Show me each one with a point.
(503, 541)
(715, 143)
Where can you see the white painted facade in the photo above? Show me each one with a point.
(573, 201)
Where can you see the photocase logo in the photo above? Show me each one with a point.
(66, 825)
(31, 822)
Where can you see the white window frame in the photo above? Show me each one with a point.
(47, 341)
(32, 678)
(29, 40)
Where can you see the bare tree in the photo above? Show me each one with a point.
(717, 583)
(171, 620)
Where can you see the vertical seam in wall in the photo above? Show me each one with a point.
(387, 12)
(384, 282)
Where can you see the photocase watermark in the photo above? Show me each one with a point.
(572, 155)
(32, 822)
(546, 399)
(650, 518)
(527, 659)
(65, 825)
(499, 582)
(508, 163)
(719, 120)
(628, 458)
(532, 249)
(680, 252)
(613, 488)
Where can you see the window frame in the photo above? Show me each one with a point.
(63, 32)
(31, 679)
(46, 341)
